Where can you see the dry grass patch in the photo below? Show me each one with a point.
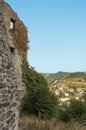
(34, 123)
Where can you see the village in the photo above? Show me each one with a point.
(66, 93)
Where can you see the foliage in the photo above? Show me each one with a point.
(75, 110)
(81, 75)
(84, 97)
(55, 76)
(38, 100)
(43, 103)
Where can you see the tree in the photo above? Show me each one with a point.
(39, 100)
(76, 110)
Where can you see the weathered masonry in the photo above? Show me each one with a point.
(13, 43)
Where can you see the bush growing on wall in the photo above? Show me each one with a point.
(38, 100)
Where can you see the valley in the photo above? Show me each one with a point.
(67, 85)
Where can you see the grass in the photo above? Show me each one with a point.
(34, 123)
(73, 82)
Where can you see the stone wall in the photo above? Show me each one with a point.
(17, 35)
(13, 43)
(17, 39)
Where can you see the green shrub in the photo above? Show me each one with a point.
(75, 110)
(38, 100)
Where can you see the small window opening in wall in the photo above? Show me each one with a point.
(12, 50)
(12, 24)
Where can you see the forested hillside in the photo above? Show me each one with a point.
(53, 76)
(64, 75)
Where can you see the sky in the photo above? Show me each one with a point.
(57, 33)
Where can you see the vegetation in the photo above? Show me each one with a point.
(38, 100)
(34, 123)
(48, 113)
(77, 79)
(76, 110)
(55, 76)
(78, 75)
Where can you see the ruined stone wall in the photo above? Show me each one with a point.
(17, 38)
(19, 33)
(11, 49)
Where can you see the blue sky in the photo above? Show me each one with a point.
(57, 33)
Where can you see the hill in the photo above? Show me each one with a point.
(65, 76)
(55, 76)
(74, 80)
(67, 85)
